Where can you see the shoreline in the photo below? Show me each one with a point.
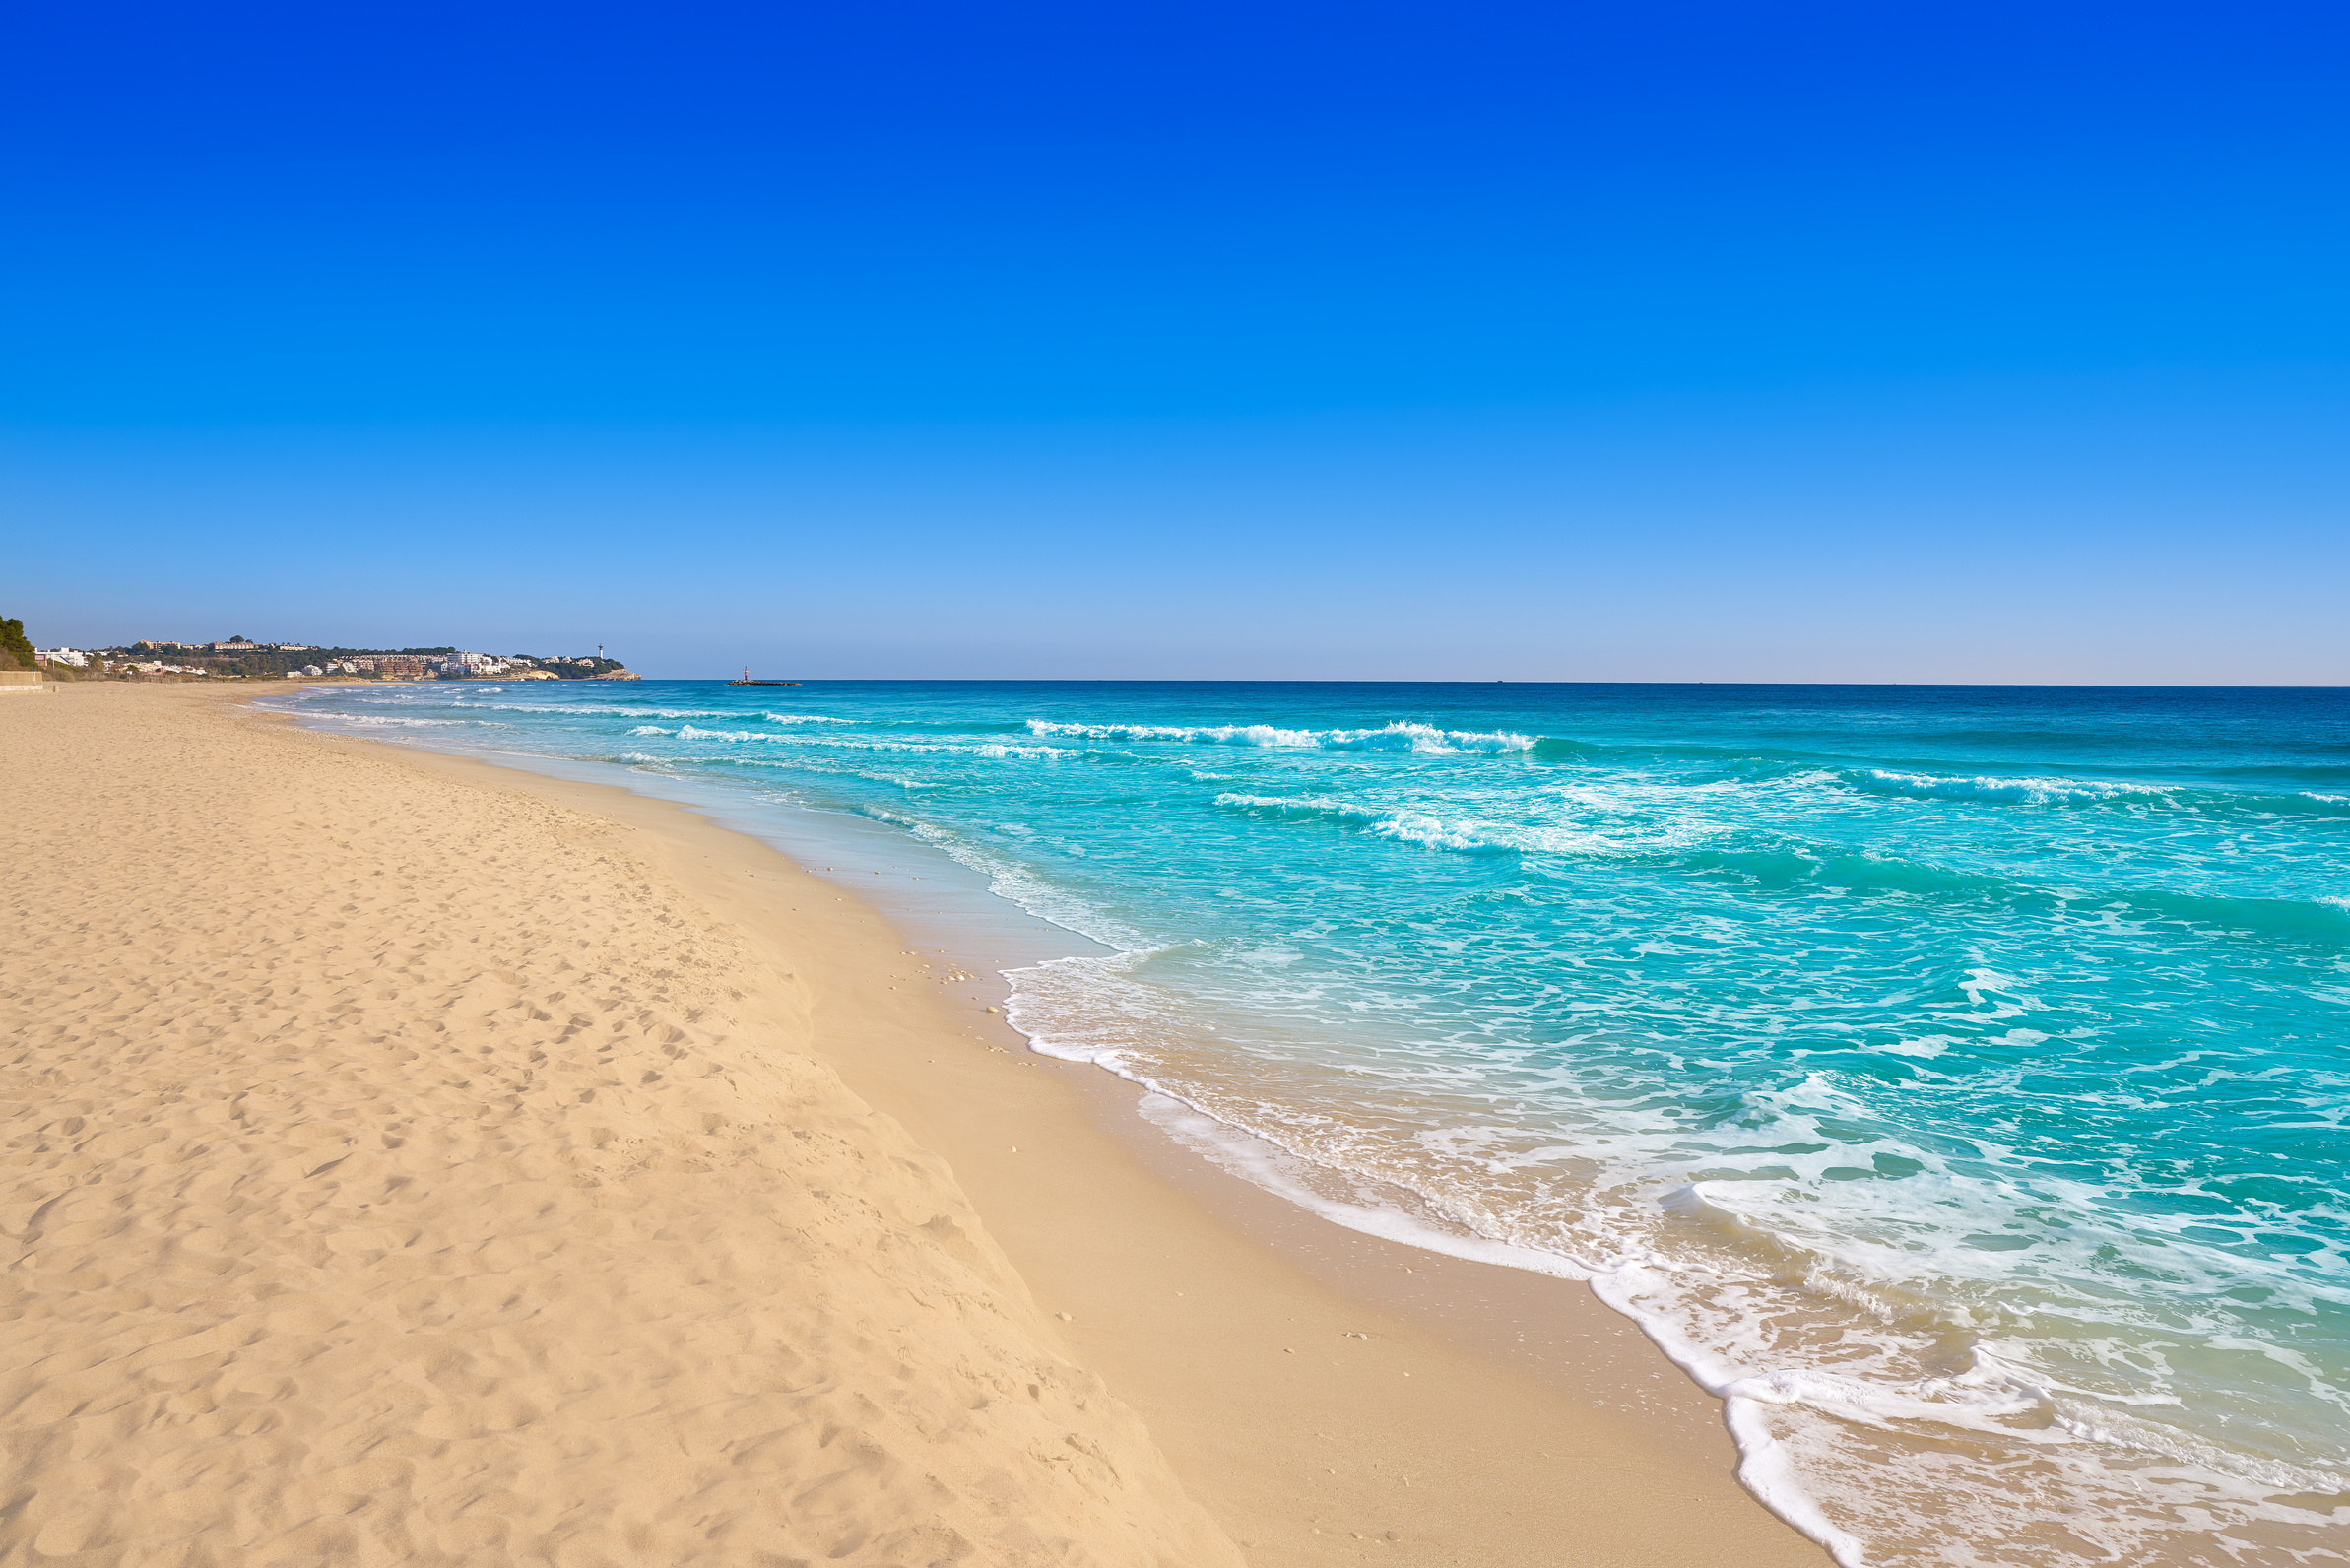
(763, 1271)
(1520, 1354)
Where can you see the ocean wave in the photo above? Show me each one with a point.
(1793, 864)
(986, 749)
(1636, 841)
(651, 729)
(1410, 827)
(594, 711)
(2322, 919)
(1784, 865)
(1789, 865)
(2029, 791)
(2301, 802)
(1420, 739)
(802, 718)
(694, 732)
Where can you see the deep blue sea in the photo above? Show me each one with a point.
(1953, 1080)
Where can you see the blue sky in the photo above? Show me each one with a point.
(1806, 341)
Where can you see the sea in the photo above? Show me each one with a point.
(1953, 1080)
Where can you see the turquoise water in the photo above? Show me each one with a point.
(1953, 1080)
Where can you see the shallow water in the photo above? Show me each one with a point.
(1949, 1077)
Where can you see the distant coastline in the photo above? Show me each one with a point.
(240, 659)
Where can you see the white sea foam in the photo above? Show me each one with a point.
(1424, 740)
(2028, 790)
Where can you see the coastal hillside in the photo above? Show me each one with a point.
(397, 1171)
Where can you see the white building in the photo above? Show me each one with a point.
(472, 664)
(72, 656)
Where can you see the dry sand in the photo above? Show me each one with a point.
(411, 1160)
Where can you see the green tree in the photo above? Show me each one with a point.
(15, 646)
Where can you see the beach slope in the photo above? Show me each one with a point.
(397, 1169)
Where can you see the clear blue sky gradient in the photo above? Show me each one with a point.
(1981, 342)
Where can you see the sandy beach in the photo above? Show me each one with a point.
(409, 1160)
